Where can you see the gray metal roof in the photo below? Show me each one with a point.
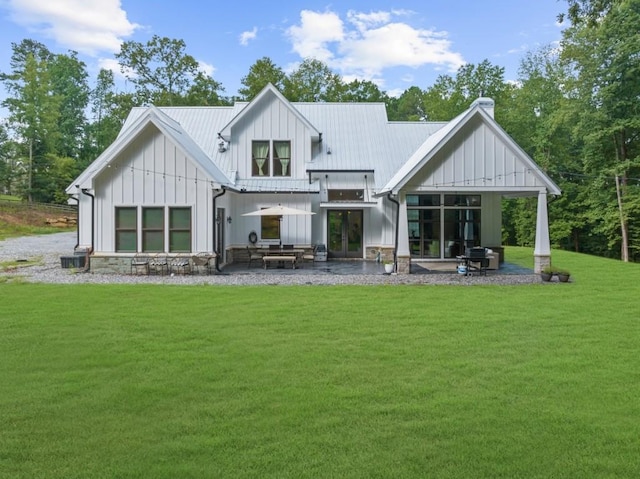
(358, 136)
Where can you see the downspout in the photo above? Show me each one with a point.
(215, 230)
(77, 223)
(395, 246)
(85, 191)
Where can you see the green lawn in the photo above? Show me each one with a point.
(292, 382)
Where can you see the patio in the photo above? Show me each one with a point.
(361, 267)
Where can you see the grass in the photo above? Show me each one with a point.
(103, 381)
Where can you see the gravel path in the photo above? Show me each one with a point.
(47, 249)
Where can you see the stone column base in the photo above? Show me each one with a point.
(404, 265)
(540, 262)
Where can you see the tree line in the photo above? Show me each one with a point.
(575, 109)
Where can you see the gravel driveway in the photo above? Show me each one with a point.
(47, 249)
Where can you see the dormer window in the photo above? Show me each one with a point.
(271, 158)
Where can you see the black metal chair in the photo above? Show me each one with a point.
(140, 264)
(477, 260)
(159, 264)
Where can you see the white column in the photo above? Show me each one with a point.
(542, 250)
(403, 227)
(403, 265)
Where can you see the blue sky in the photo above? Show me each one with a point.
(397, 44)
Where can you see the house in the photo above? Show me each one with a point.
(179, 180)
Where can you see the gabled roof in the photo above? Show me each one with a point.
(437, 141)
(132, 130)
(268, 94)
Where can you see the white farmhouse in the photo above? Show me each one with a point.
(178, 180)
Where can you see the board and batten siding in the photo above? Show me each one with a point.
(153, 171)
(295, 229)
(476, 159)
(273, 121)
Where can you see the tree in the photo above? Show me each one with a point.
(204, 92)
(410, 106)
(450, 96)
(160, 70)
(603, 56)
(7, 161)
(69, 82)
(312, 81)
(587, 11)
(34, 112)
(363, 91)
(261, 73)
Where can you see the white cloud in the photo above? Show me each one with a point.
(245, 37)
(113, 65)
(370, 43)
(87, 26)
(206, 68)
(310, 39)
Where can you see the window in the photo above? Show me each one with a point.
(271, 161)
(281, 158)
(126, 229)
(152, 229)
(180, 230)
(462, 200)
(442, 226)
(260, 158)
(270, 227)
(345, 195)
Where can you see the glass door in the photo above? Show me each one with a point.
(345, 233)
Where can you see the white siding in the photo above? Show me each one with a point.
(272, 121)
(475, 158)
(294, 229)
(153, 172)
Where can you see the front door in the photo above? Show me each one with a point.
(345, 233)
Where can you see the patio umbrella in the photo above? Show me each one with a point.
(279, 211)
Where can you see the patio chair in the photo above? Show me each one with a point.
(253, 255)
(140, 264)
(158, 264)
(180, 265)
(309, 256)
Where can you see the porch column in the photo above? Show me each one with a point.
(542, 251)
(403, 254)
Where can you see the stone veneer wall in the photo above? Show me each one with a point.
(110, 264)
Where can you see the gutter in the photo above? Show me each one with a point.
(215, 230)
(395, 246)
(77, 222)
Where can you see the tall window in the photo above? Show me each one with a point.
(260, 158)
(442, 226)
(180, 230)
(153, 229)
(126, 229)
(269, 159)
(281, 158)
